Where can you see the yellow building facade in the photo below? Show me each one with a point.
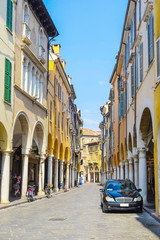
(58, 120)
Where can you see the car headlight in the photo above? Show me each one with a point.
(109, 199)
(137, 199)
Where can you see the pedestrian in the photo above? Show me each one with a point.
(19, 183)
(15, 184)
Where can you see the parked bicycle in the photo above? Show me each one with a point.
(30, 193)
(48, 190)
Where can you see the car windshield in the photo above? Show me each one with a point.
(120, 185)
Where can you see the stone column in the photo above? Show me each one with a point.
(122, 170)
(56, 174)
(131, 169)
(89, 177)
(126, 169)
(115, 172)
(40, 177)
(72, 171)
(50, 163)
(94, 178)
(143, 173)
(67, 176)
(100, 177)
(136, 171)
(118, 172)
(43, 174)
(24, 175)
(61, 173)
(5, 168)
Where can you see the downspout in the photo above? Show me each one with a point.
(135, 102)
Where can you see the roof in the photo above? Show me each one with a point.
(44, 17)
(89, 132)
(93, 143)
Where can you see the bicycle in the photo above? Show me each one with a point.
(48, 190)
(30, 193)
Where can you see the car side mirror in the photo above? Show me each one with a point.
(101, 190)
(139, 190)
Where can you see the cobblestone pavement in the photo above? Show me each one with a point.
(74, 215)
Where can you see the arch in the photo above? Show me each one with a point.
(21, 132)
(146, 128)
(61, 152)
(134, 137)
(56, 153)
(114, 161)
(129, 142)
(122, 153)
(3, 138)
(66, 156)
(38, 137)
(50, 144)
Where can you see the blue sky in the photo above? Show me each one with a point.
(90, 33)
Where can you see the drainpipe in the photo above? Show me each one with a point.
(135, 95)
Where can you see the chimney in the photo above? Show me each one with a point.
(63, 64)
(56, 48)
(69, 78)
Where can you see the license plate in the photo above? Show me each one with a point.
(124, 204)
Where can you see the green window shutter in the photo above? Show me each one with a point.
(122, 104)
(7, 81)
(9, 14)
(119, 113)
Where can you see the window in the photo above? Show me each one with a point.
(9, 14)
(137, 73)
(139, 10)
(26, 14)
(141, 62)
(132, 79)
(7, 81)
(50, 118)
(127, 95)
(150, 40)
(58, 120)
(133, 29)
(158, 60)
(62, 123)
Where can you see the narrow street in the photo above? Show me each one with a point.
(74, 215)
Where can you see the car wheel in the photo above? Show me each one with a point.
(103, 209)
(140, 210)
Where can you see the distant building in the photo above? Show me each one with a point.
(87, 136)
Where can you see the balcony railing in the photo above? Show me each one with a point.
(26, 36)
(42, 54)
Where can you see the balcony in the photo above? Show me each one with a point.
(148, 11)
(42, 54)
(26, 36)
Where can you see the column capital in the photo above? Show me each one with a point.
(7, 151)
(142, 150)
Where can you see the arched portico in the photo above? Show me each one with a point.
(146, 156)
(5, 154)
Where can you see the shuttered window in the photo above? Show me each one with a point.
(137, 72)
(141, 62)
(158, 60)
(9, 14)
(150, 40)
(119, 112)
(122, 104)
(124, 65)
(132, 80)
(139, 10)
(133, 29)
(7, 81)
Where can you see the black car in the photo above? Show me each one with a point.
(121, 195)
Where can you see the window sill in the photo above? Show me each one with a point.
(9, 104)
(9, 31)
